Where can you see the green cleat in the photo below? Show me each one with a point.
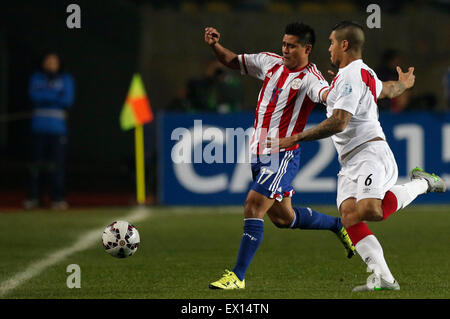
(435, 183)
(229, 280)
(346, 241)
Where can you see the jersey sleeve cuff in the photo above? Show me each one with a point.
(320, 94)
(242, 64)
(344, 109)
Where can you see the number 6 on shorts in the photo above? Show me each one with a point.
(368, 180)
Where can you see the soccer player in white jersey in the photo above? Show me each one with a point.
(366, 181)
(292, 85)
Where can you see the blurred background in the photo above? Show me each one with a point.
(163, 41)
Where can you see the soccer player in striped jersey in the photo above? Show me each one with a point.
(291, 87)
(366, 181)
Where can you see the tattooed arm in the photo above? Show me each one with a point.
(336, 123)
(392, 89)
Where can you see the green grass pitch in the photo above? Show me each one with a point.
(183, 249)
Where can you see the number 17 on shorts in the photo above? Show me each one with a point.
(274, 178)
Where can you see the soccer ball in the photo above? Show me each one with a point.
(120, 239)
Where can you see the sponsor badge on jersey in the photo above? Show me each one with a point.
(296, 84)
(346, 89)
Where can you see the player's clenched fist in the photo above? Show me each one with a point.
(211, 35)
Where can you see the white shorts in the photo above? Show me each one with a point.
(367, 172)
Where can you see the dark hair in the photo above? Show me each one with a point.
(304, 33)
(346, 24)
(351, 31)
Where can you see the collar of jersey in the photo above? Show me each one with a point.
(296, 70)
(357, 60)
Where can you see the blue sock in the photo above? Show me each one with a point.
(307, 218)
(252, 237)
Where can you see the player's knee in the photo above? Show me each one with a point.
(349, 216)
(348, 220)
(252, 208)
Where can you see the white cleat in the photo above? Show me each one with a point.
(377, 283)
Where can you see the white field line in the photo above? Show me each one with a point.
(84, 242)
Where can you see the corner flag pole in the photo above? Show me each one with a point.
(140, 165)
(137, 111)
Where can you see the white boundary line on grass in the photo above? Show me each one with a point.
(84, 242)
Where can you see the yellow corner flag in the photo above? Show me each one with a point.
(137, 111)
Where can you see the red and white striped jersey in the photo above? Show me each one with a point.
(286, 99)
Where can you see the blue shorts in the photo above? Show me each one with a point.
(273, 173)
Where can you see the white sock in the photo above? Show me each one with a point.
(407, 192)
(371, 252)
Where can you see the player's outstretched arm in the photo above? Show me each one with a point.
(336, 123)
(227, 57)
(392, 89)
